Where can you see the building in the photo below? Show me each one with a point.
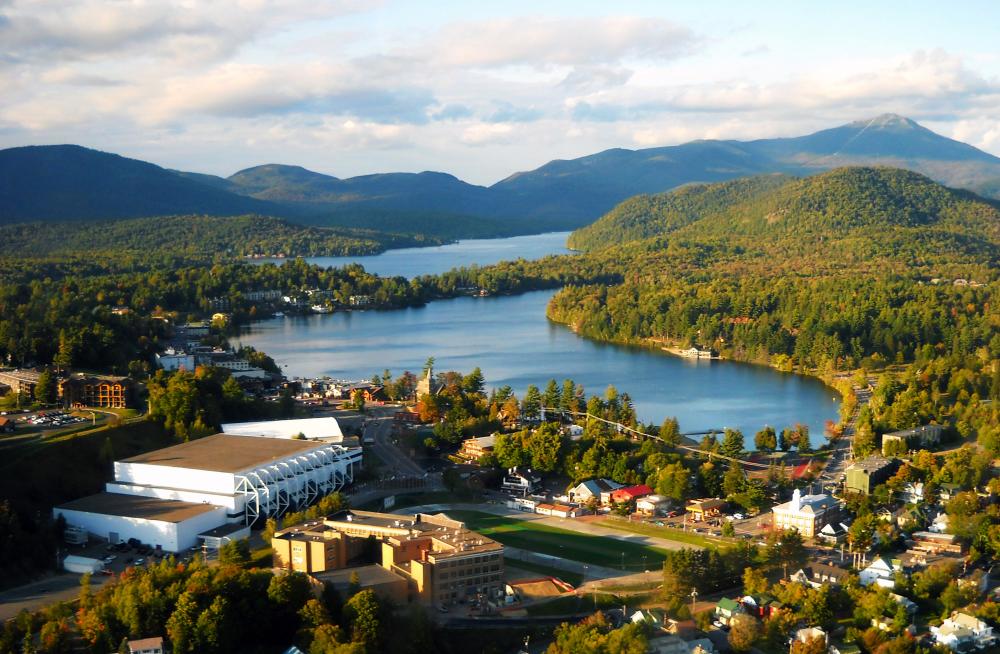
(428, 385)
(630, 494)
(811, 633)
(936, 543)
(521, 481)
(387, 584)
(806, 513)
(652, 504)
(727, 609)
(173, 359)
(558, 510)
(96, 391)
(314, 429)
(475, 448)
(881, 572)
(146, 646)
(442, 561)
(833, 533)
(167, 524)
(962, 633)
(594, 489)
(173, 496)
(864, 475)
(917, 438)
(705, 508)
(821, 574)
(20, 381)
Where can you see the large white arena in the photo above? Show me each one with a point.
(196, 486)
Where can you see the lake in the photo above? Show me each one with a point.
(513, 343)
(413, 262)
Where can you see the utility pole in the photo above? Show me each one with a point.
(694, 598)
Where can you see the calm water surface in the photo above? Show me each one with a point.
(513, 342)
(413, 262)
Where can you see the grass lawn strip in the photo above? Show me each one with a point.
(585, 548)
(666, 533)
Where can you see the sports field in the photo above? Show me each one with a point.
(535, 537)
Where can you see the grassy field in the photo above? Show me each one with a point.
(574, 578)
(667, 533)
(535, 537)
(574, 604)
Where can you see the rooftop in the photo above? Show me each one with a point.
(308, 427)
(916, 431)
(870, 464)
(368, 575)
(224, 453)
(135, 506)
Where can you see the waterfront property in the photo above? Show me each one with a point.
(443, 561)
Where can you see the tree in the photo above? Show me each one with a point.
(45, 388)
(363, 614)
(732, 444)
(474, 382)
(744, 630)
(734, 480)
(754, 581)
(812, 645)
(728, 530)
(766, 440)
(551, 397)
(543, 446)
(235, 552)
(670, 432)
(531, 405)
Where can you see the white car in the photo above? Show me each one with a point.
(739, 516)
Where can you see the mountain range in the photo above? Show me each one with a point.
(69, 182)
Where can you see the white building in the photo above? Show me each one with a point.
(521, 481)
(324, 429)
(881, 572)
(173, 359)
(169, 497)
(962, 632)
(593, 489)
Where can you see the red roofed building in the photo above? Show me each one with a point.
(631, 493)
(802, 470)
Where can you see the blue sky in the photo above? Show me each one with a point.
(479, 90)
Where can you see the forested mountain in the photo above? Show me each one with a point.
(828, 205)
(73, 183)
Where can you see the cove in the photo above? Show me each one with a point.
(513, 343)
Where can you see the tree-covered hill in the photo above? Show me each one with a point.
(841, 203)
(198, 237)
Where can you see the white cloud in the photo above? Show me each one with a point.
(487, 133)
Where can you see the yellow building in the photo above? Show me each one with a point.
(443, 561)
(807, 514)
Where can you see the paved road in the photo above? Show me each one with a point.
(62, 587)
(379, 427)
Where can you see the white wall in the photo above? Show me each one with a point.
(145, 474)
(231, 502)
(171, 536)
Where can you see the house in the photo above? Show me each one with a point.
(948, 491)
(593, 489)
(963, 632)
(652, 504)
(833, 533)
(705, 508)
(820, 574)
(521, 481)
(864, 475)
(940, 523)
(929, 541)
(631, 493)
(653, 617)
(727, 609)
(762, 607)
(811, 633)
(910, 517)
(475, 448)
(807, 514)
(146, 646)
(881, 572)
(369, 392)
(908, 604)
(575, 432)
(913, 492)
(558, 510)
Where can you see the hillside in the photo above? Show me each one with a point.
(842, 204)
(195, 237)
(69, 183)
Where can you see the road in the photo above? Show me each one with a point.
(378, 427)
(840, 456)
(62, 587)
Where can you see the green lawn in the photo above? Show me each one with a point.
(574, 604)
(668, 533)
(535, 537)
(574, 578)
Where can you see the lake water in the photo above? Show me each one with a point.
(513, 343)
(413, 262)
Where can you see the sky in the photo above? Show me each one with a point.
(480, 90)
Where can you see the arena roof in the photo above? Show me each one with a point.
(324, 428)
(225, 453)
(136, 506)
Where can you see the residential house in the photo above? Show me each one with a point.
(369, 392)
(146, 646)
(864, 475)
(727, 609)
(821, 574)
(521, 481)
(593, 489)
(652, 504)
(703, 509)
(630, 494)
(763, 607)
(810, 633)
(558, 510)
(908, 604)
(807, 514)
(833, 533)
(913, 492)
(962, 632)
(948, 491)
(881, 572)
(940, 523)
(475, 448)
(574, 432)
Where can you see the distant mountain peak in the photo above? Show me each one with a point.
(887, 120)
